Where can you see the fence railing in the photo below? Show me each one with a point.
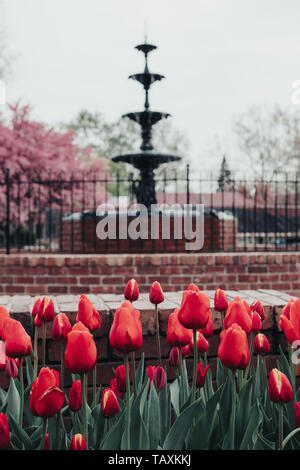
(42, 212)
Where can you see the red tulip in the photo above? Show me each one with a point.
(109, 403)
(81, 351)
(156, 295)
(46, 442)
(297, 413)
(131, 291)
(3, 317)
(121, 378)
(75, 396)
(87, 314)
(257, 306)
(174, 357)
(46, 311)
(280, 389)
(46, 398)
(193, 287)
(221, 303)
(260, 344)
(61, 327)
(150, 373)
(195, 310)
(291, 324)
(208, 330)
(115, 389)
(202, 345)
(286, 310)
(239, 312)
(201, 375)
(256, 321)
(3, 357)
(233, 349)
(78, 442)
(36, 307)
(4, 432)
(37, 321)
(12, 367)
(126, 331)
(177, 335)
(159, 378)
(17, 341)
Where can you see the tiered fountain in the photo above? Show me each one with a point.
(147, 160)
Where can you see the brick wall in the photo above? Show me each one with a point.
(20, 308)
(35, 274)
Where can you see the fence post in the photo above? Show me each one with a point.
(7, 228)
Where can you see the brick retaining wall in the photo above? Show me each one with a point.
(39, 274)
(20, 308)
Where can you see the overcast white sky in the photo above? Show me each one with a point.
(219, 58)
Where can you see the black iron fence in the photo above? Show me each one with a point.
(42, 212)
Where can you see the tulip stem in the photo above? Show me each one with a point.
(280, 429)
(44, 344)
(133, 375)
(157, 335)
(21, 378)
(84, 406)
(44, 434)
(127, 402)
(195, 365)
(233, 412)
(35, 349)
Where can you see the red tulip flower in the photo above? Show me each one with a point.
(239, 312)
(193, 287)
(208, 330)
(256, 321)
(280, 389)
(46, 311)
(291, 324)
(221, 303)
(177, 335)
(174, 357)
(201, 375)
(87, 314)
(4, 432)
(75, 396)
(81, 351)
(3, 317)
(46, 398)
(115, 389)
(131, 291)
(159, 378)
(126, 331)
(286, 309)
(61, 328)
(121, 378)
(17, 341)
(78, 442)
(233, 349)
(297, 413)
(150, 373)
(257, 306)
(36, 307)
(202, 345)
(195, 310)
(109, 403)
(156, 295)
(12, 367)
(260, 344)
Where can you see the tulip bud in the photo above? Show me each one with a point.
(174, 357)
(201, 375)
(126, 330)
(36, 307)
(61, 328)
(46, 398)
(131, 291)
(37, 321)
(280, 389)
(81, 351)
(87, 314)
(208, 330)
(109, 403)
(159, 378)
(156, 295)
(297, 413)
(221, 303)
(239, 312)
(195, 310)
(233, 349)
(286, 309)
(46, 442)
(177, 334)
(3, 316)
(256, 321)
(260, 344)
(17, 341)
(114, 387)
(46, 311)
(290, 323)
(75, 396)
(78, 442)
(150, 373)
(12, 367)
(121, 378)
(257, 306)
(4, 432)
